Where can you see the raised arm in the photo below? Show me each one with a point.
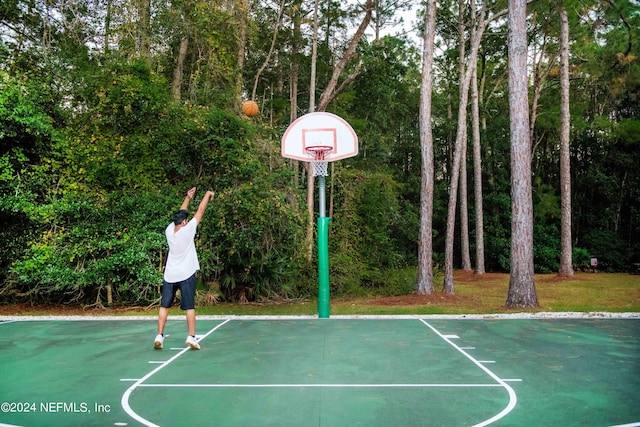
(203, 205)
(187, 199)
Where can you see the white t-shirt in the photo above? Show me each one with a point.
(182, 261)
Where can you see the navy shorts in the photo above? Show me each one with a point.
(187, 293)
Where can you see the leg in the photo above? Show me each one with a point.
(191, 324)
(168, 295)
(188, 303)
(188, 293)
(191, 321)
(163, 313)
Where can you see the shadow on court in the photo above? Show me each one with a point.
(322, 372)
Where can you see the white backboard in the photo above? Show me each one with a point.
(319, 129)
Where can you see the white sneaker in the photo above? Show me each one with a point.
(193, 343)
(157, 343)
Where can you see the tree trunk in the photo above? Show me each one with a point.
(312, 107)
(144, 29)
(295, 64)
(295, 74)
(477, 173)
(314, 58)
(330, 91)
(107, 26)
(543, 64)
(448, 285)
(424, 283)
(522, 291)
(464, 211)
(310, 205)
(332, 183)
(243, 19)
(178, 72)
(566, 264)
(271, 48)
(109, 292)
(476, 37)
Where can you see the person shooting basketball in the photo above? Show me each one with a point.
(181, 267)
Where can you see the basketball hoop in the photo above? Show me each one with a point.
(319, 164)
(320, 138)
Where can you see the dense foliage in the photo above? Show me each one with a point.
(100, 137)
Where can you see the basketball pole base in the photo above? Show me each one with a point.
(323, 267)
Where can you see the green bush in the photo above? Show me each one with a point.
(610, 250)
(546, 248)
(117, 243)
(580, 258)
(250, 242)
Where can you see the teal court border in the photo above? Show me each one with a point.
(361, 370)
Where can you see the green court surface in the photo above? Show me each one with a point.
(290, 371)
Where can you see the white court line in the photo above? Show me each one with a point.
(125, 397)
(513, 399)
(318, 385)
(494, 316)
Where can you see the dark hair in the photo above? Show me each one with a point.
(180, 216)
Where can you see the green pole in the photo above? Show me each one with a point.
(323, 254)
(323, 267)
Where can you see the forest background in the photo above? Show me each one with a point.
(111, 110)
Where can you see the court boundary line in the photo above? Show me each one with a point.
(124, 401)
(337, 385)
(488, 316)
(513, 398)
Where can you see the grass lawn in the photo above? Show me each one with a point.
(474, 294)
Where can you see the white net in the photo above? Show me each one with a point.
(320, 167)
(319, 164)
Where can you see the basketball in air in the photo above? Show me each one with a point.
(250, 108)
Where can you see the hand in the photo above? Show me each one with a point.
(191, 193)
(210, 194)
